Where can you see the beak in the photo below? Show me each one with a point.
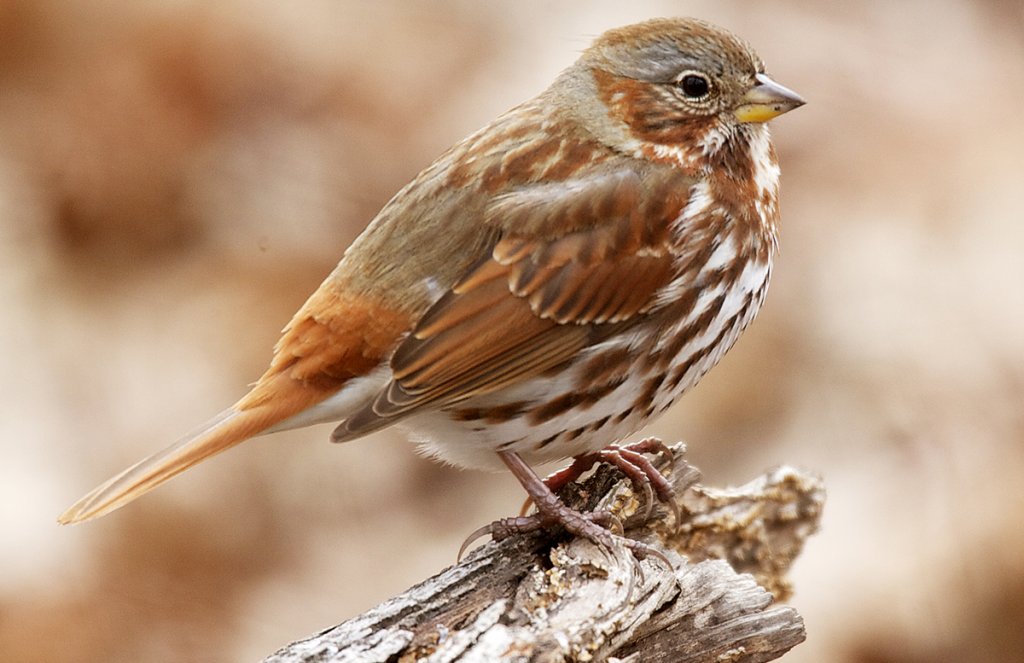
(766, 100)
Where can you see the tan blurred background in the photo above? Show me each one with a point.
(176, 177)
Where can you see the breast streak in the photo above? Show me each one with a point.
(632, 377)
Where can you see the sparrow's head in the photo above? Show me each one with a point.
(683, 85)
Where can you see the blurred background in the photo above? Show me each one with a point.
(177, 176)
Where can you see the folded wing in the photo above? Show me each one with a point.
(573, 262)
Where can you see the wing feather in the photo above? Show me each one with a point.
(571, 262)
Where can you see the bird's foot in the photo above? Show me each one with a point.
(631, 461)
(601, 527)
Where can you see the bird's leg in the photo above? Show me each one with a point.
(552, 512)
(630, 460)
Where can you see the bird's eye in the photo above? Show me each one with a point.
(695, 86)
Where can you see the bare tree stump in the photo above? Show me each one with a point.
(527, 599)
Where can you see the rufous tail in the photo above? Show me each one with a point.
(232, 426)
(222, 432)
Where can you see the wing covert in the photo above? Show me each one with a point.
(571, 261)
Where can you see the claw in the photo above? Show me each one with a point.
(653, 481)
(652, 445)
(643, 551)
(637, 471)
(474, 536)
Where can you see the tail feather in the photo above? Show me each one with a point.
(224, 431)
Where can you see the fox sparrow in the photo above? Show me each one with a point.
(549, 284)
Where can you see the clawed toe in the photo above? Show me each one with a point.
(601, 527)
(630, 459)
(648, 476)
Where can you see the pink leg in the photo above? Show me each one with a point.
(552, 512)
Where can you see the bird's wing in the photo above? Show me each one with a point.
(574, 259)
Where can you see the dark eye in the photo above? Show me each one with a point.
(695, 86)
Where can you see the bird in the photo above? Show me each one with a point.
(548, 285)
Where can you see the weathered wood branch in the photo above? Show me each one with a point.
(529, 599)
